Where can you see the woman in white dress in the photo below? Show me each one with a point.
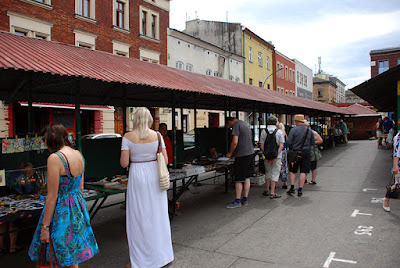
(147, 222)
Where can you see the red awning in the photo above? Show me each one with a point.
(67, 106)
(94, 67)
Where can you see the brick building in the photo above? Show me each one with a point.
(286, 77)
(384, 59)
(136, 29)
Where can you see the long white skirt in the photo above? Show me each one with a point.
(147, 222)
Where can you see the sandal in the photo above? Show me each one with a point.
(265, 193)
(273, 196)
(311, 183)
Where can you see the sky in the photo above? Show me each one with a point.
(341, 32)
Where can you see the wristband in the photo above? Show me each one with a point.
(45, 226)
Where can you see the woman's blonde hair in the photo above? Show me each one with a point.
(142, 121)
(281, 126)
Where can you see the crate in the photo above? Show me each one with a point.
(258, 180)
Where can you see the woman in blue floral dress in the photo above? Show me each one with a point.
(64, 220)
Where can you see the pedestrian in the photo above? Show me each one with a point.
(379, 131)
(65, 221)
(315, 155)
(395, 168)
(300, 139)
(147, 221)
(343, 128)
(163, 129)
(284, 174)
(242, 147)
(272, 141)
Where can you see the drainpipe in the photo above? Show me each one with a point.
(243, 54)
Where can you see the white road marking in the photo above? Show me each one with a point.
(332, 258)
(376, 200)
(367, 189)
(362, 230)
(357, 212)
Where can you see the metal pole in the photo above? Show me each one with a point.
(124, 112)
(182, 117)
(30, 112)
(226, 129)
(398, 105)
(173, 131)
(259, 122)
(78, 115)
(254, 123)
(196, 139)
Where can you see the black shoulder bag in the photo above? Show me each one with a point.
(294, 156)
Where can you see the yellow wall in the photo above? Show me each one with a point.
(252, 69)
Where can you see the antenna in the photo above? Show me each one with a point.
(196, 16)
(319, 63)
(227, 15)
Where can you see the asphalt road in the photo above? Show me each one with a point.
(337, 223)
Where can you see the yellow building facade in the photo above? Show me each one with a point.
(259, 64)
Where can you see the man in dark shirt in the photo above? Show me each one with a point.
(162, 128)
(295, 139)
(242, 146)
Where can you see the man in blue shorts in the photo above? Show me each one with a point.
(242, 146)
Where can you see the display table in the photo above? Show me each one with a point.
(19, 207)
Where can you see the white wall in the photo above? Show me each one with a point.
(303, 70)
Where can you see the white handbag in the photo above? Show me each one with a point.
(162, 167)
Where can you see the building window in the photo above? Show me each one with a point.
(46, 4)
(216, 74)
(269, 86)
(286, 73)
(268, 63)
(298, 78)
(144, 22)
(319, 92)
(84, 8)
(208, 72)
(153, 26)
(260, 59)
(85, 39)
(231, 77)
(151, 56)
(237, 79)
(121, 48)
(250, 81)
(28, 26)
(121, 16)
(282, 71)
(149, 24)
(260, 84)
(189, 67)
(250, 54)
(286, 91)
(383, 66)
(179, 65)
(305, 80)
(119, 8)
(277, 68)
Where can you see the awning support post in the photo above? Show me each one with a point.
(124, 112)
(30, 112)
(173, 131)
(78, 115)
(226, 128)
(254, 123)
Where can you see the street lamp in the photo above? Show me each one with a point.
(272, 74)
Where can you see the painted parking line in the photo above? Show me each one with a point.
(367, 189)
(357, 212)
(364, 230)
(377, 200)
(332, 258)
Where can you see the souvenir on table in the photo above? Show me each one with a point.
(36, 143)
(7, 146)
(2, 177)
(42, 145)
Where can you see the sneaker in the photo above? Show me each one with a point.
(245, 203)
(291, 191)
(299, 192)
(234, 205)
(387, 209)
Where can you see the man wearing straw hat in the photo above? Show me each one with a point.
(300, 139)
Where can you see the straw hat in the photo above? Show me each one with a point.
(299, 118)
